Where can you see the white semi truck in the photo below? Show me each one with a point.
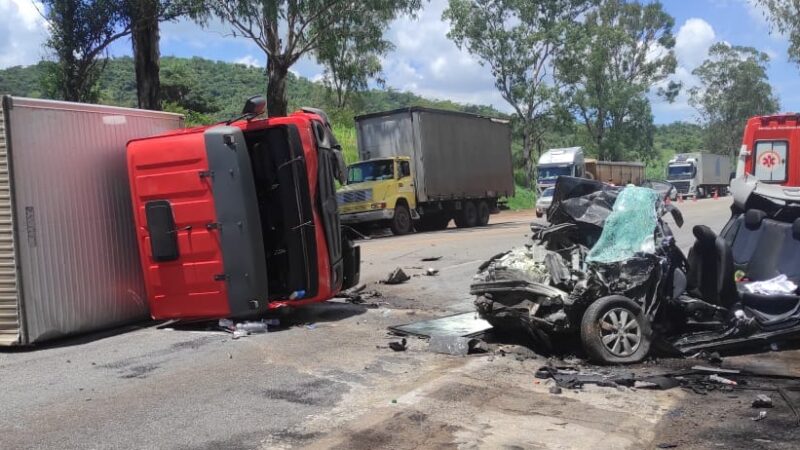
(570, 162)
(699, 174)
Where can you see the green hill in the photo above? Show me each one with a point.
(208, 91)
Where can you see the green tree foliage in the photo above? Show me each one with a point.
(733, 87)
(80, 33)
(622, 49)
(287, 30)
(518, 40)
(351, 56)
(784, 16)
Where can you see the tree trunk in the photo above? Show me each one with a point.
(277, 72)
(146, 54)
(527, 148)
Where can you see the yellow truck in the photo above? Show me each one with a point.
(421, 168)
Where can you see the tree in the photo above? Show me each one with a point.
(144, 17)
(622, 49)
(351, 54)
(286, 30)
(518, 40)
(733, 87)
(784, 15)
(80, 32)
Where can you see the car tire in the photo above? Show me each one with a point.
(483, 213)
(468, 216)
(401, 222)
(602, 326)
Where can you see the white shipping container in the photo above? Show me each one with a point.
(68, 251)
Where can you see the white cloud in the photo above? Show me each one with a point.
(249, 60)
(694, 38)
(427, 63)
(692, 42)
(22, 33)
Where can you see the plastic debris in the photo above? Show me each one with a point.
(296, 295)
(399, 346)
(252, 327)
(778, 285)
(722, 380)
(629, 228)
(430, 271)
(449, 344)
(762, 401)
(761, 416)
(397, 276)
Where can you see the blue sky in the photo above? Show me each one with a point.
(426, 62)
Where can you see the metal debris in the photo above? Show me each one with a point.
(396, 276)
(762, 401)
(761, 416)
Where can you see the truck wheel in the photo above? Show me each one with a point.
(433, 222)
(401, 222)
(483, 213)
(614, 330)
(468, 216)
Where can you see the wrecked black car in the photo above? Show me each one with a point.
(608, 270)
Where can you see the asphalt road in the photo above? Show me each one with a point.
(325, 379)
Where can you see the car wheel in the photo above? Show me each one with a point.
(401, 222)
(468, 216)
(483, 213)
(614, 330)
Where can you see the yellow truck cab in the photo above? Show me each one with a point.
(380, 190)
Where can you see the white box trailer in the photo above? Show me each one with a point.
(68, 251)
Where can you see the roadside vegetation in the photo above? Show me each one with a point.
(572, 72)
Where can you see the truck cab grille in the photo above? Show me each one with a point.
(681, 186)
(364, 195)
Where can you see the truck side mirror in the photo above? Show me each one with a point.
(254, 106)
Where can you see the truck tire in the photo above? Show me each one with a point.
(614, 330)
(483, 213)
(401, 222)
(468, 216)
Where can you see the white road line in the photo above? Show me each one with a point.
(463, 264)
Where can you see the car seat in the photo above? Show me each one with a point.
(710, 276)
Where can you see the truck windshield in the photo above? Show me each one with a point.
(552, 172)
(680, 171)
(370, 171)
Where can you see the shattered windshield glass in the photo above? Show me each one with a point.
(630, 227)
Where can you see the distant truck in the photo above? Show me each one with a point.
(570, 161)
(699, 174)
(422, 167)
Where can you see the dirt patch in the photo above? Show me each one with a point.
(405, 430)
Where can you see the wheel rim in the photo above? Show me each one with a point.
(620, 332)
(403, 219)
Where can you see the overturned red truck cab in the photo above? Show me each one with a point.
(239, 218)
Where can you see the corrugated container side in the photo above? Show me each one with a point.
(464, 157)
(77, 248)
(10, 330)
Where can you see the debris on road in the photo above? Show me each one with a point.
(398, 346)
(431, 258)
(464, 324)
(451, 344)
(555, 390)
(762, 401)
(761, 416)
(572, 378)
(722, 380)
(430, 271)
(396, 276)
(247, 328)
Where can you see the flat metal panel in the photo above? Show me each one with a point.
(10, 330)
(76, 242)
(464, 156)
